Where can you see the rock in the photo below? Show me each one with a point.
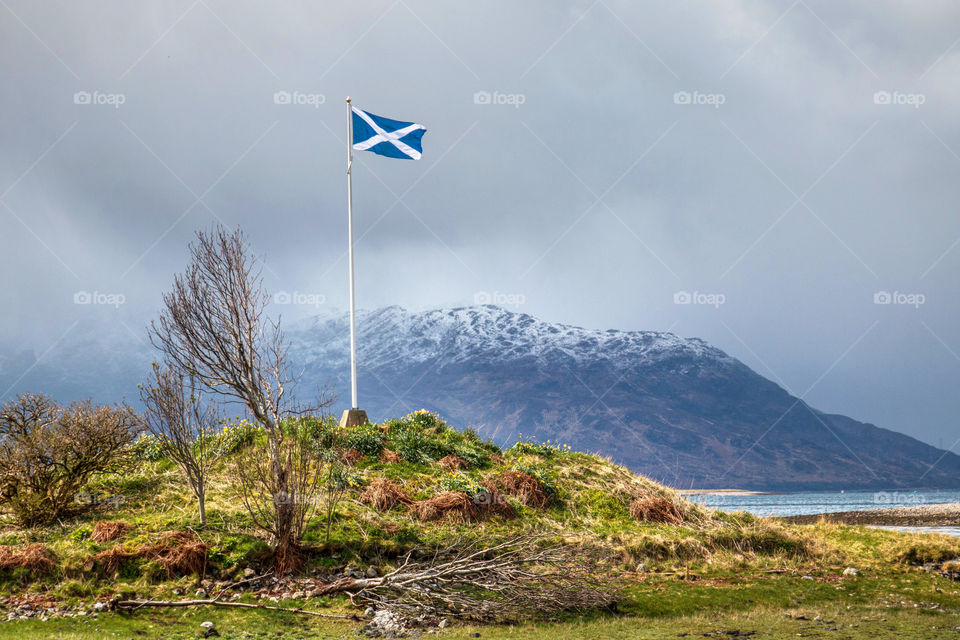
(806, 577)
(249, 573)
(99, 606)
(372, 572)
(201, 593)
(209, 629)
(369, 612)
(851, 572)
(178, 591)
(444, 623)
(642, 568)
(385, 624)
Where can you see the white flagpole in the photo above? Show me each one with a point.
(353, 310)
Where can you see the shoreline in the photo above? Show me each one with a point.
(928, 515)
(726, 492)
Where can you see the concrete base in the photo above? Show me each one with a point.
(353, 418)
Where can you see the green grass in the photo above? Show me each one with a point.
(712, 572)
(894, 604)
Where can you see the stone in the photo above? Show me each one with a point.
(99, 606)
(372, 572)
(209, 629)
(353, 418)
(851, 572)
(444, 623)
(249, 573)
(642, 568)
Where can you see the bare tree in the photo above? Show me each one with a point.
(296, 499)
(184, 426)
(213, 326)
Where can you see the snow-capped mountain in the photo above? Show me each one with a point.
(676, 409)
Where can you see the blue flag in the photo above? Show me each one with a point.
(387, 137)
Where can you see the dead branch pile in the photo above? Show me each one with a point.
(523, 577)
(179, 553)
(522, 486)
(383, 494)
(107, 530)
(655, 509)
(450, 505)
(36, 558)
(453, 462)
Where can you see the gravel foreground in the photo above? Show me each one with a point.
(928, 515)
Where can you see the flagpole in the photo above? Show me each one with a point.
(353, 311)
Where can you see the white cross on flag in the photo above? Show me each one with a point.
(387, 137)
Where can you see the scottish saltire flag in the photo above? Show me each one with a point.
(387, 137)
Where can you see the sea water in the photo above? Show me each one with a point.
(808, 503)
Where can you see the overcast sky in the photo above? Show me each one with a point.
(585, 162)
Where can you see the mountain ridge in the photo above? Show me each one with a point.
(676, 409)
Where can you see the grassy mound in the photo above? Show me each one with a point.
(416, 483)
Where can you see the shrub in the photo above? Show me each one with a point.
(367, 439)
(48, 453)
(412, 445)
(423, 419)
(530, 446)
(235, 437)
(147, 448)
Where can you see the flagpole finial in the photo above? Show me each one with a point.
(348, 99)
